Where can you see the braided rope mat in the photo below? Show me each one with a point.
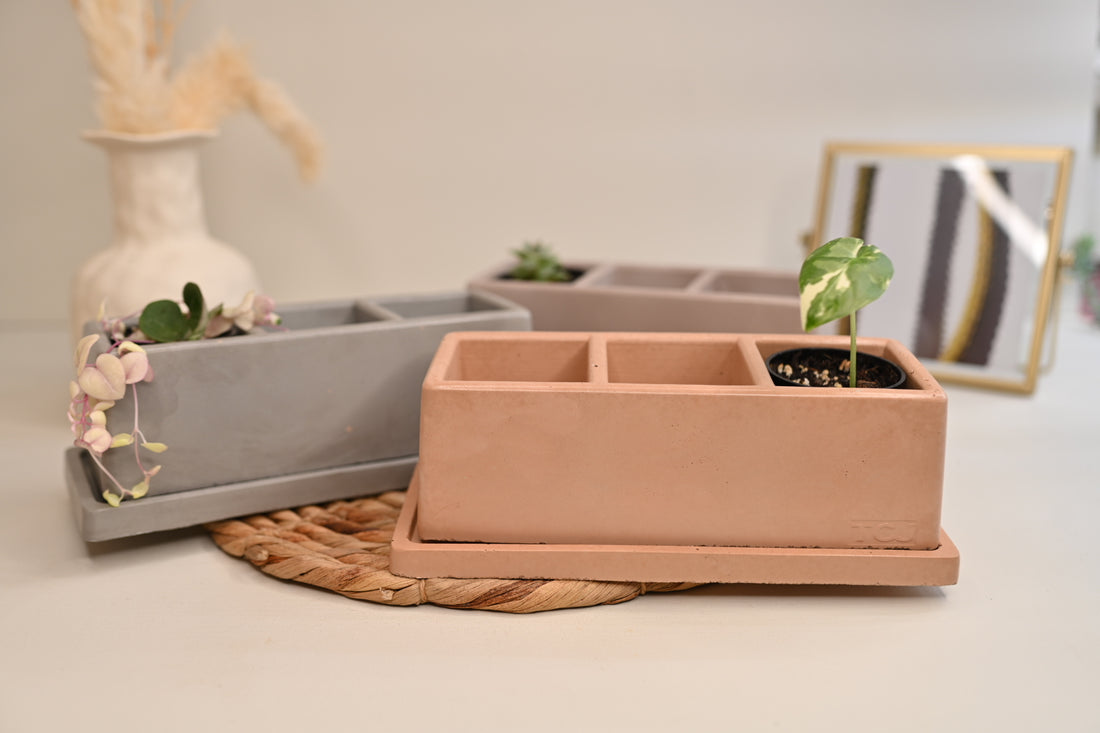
(344, 547)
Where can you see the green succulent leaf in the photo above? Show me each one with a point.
(196, 308)
(839, 278)
(163, 320)
(537, 261)
(112, 498)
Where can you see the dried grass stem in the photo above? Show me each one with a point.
(130, 41)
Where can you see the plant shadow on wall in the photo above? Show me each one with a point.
(125, 364)
(152, 120)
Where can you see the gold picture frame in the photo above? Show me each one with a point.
(974, 233)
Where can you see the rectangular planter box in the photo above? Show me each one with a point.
(673, 439)
(338, 388)
(617, 297)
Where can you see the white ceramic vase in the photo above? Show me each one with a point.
(161, 240)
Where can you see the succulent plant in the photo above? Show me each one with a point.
(538, 262)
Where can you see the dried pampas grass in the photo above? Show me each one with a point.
(130, 41)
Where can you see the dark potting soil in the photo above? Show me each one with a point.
(571, 271)
(832, 369)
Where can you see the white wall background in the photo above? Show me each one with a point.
(681, 132)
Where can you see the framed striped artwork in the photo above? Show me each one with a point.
(974, 232)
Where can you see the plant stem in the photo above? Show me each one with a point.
(139, 437)
(852, 356)
(122, 490)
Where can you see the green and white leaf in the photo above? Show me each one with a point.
(840, 277)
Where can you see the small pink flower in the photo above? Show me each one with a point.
(254, 310)
(222, 319)
(264, 310)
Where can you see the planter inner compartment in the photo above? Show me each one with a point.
(575, 274)
(646, 277)
(443, 305)
(916, 375)
(876, 371)
(677, 362)
(495, 360)
(326, 315)
(753, 283)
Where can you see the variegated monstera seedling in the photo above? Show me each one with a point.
(837, 279)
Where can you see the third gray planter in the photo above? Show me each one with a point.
(619, 297)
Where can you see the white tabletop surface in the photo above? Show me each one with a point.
(169, 633)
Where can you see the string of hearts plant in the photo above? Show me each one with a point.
(125, 364)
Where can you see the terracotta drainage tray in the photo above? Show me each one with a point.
(412, 557)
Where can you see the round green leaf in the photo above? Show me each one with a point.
(163, 320)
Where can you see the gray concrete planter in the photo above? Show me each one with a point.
(618, 297)
(335, 398)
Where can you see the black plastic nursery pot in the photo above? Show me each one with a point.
(821, 367)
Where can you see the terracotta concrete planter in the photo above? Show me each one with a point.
(336, 398)
(673, 440)
(618, 297)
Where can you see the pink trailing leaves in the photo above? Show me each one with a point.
(96, 389)
(100, 384)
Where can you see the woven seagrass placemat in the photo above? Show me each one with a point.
(344, 546)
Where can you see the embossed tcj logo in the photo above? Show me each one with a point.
(893, 532)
